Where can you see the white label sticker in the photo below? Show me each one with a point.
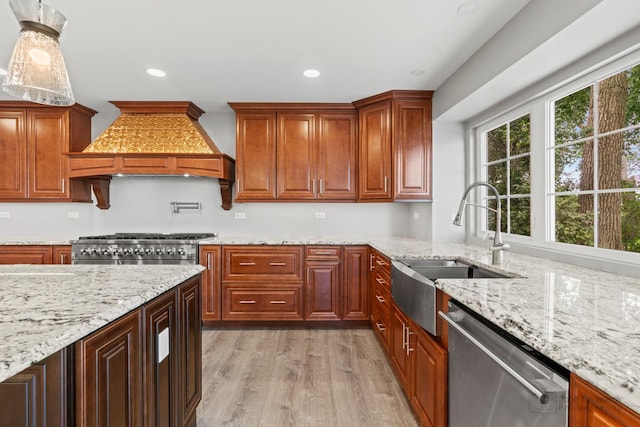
(163, 344)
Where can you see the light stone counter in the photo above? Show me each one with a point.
(586, 320)
(44, 308)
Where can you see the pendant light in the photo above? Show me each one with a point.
(37, 71)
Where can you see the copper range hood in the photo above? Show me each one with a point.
(152, 138)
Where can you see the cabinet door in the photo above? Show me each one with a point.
(297, 176)
(61, 254)
(256, 156)
(19, 254)
(47, 139)
(37, 396)
(161, 362)
(429, 379)
(13, 155)
(337, 156)
(190, 343)
(590, 407)
(375, 152)
(400, 349)
(355, 289)
(323, 284)
(109, 375)
(412, 149)
(211, 277)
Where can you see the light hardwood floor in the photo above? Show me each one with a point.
(298, 377)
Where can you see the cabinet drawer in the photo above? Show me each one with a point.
(249, 264)
(382, 264)
(381, 297)
(381, 323)
(322, 252)
(242, 303)
(381, 279)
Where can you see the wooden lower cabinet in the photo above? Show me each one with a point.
(420, 364)
(323, 284)
(146, 367)
(428, 381)
(210, 258)
(590, 407)
(25, 254)
(39, 395)
(400, 353)
(161, 359)
(190, 351)
(109, 375)
(61, 254)
(355, 286)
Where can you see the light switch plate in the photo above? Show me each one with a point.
(5, 214)
(73, 215)
(320, 215)
(240, 215)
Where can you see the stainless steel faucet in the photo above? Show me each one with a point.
(498, 246)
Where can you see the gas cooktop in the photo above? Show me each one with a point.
(150, 236)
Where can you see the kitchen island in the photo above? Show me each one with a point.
(46, 309)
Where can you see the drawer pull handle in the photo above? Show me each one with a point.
(277, 302)
(379, 262)
(247, 263)
(380, 327)
(380, 299)
(277, 264)
(381, 281)
(247, 301)
(324, 253)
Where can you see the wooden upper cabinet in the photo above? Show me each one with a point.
(337, 156)
(33, 139)
(13, 154)
(412, 148)
(296, 156)
(375, 152)
(395, 146)
(256, 155)
(295, 152)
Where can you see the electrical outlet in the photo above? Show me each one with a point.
(320, 215)
(240, 215)
(73, 215)
(5, 214)
(416, 215)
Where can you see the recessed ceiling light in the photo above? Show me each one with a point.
(417, 72)
(155, 72)
(311, 73)
(467, 7)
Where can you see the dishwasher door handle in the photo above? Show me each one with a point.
(542, 396)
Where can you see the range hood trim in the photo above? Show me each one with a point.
(99, 167)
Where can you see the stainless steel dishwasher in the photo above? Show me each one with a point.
(496, 380)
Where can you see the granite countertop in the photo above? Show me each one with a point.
(586, 320)
(44, 308)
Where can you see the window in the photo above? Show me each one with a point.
(595, 161)
(507, 167)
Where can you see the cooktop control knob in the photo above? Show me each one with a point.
(171, 251)
(84, 251)
(117, 251)
(137, 251)
(160, 251)
(128, 251)
(148, 251)
(106, 251)
(182, 251)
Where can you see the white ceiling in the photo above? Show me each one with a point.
(216, 51)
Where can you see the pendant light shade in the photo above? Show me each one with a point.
(37, 71)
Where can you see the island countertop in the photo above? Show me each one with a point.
(44, 308)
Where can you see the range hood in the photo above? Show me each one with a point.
(152, 138)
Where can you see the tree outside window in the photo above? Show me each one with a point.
(507, 167)
(596, 152)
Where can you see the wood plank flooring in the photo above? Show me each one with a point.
(298, 377)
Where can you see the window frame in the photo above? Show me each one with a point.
(541, 110)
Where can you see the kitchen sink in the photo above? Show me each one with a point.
(434, 269)
(414, 291)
